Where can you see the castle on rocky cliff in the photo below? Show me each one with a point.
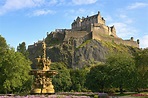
(91, 27)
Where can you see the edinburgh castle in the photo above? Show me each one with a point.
(91, 27)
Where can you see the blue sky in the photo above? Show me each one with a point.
(29, 20)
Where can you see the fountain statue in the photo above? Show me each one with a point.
(42, 83)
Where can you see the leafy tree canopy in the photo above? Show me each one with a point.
(78, 78)
(120, 65)
(61, 81)
(140, 79)
(3, 43)
(13, 72)
(98, 78)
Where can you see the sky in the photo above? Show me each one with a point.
(30, 20)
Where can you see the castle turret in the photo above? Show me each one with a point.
(76, 25)
(113, 31)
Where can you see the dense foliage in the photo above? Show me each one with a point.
(22, 49)
(62, 81)
(98, 78)
(140, 79)
(78, 78)
(14, 68)
(120, 65)
(120, 72)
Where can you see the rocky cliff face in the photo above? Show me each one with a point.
(86, 54)
(89, 53)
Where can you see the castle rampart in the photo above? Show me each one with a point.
(118, 41)
(74, 34)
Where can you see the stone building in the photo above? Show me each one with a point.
(95, 23)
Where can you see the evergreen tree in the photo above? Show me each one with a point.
(22, 48)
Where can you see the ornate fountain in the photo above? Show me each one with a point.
(42, 83)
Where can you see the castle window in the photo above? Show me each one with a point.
(112, 35)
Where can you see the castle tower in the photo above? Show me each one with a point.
(100, 19)
(113, 31)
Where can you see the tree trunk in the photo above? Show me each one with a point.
(121, 89)
(138, 90)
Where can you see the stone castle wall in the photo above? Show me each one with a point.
(74, 34)
(97, 33)
(97, 36)
(58, 35)
(81, 40)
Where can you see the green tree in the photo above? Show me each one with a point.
(22, 48)
(120, 65)
(3, 47)
(78, 78)
(140, 80)
(61, 81)
(14, 72)
(98, 78)
(3, 43)
(141, 59)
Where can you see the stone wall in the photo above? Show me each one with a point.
(74, 34)
(81, 40)
(98, 32)
(57, 35)
(102, 29)
(97, 36)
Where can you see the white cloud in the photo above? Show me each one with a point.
(81, 2)
(137, 5)
(11, 5)
(42, 12)
(144, 42)
(124, 30)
